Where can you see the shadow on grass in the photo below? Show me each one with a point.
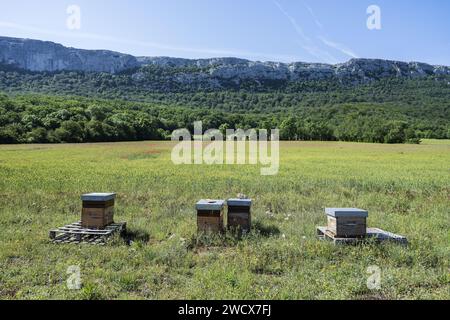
(372, 297)
(212, 239)
(265, 230)
(230, 238)
(136, 235)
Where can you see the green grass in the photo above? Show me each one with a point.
(406, 189)
(435, 141)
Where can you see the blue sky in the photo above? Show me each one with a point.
(279, 30)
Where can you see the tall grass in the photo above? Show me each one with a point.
(406, 189)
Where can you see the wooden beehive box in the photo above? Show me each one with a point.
(98, 210)
(239, 214)
(347, 222)
(210, 215)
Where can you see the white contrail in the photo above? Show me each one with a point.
(306, 43)
(321, 54)
(294, 23)
(332, 44)
(317, 22)
(338, 46)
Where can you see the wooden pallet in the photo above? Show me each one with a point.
(372, 234)
(75, 233)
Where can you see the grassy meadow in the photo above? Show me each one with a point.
(406, 189)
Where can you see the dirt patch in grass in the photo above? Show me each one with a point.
(8, 293)
(374, 297)
(151, 154)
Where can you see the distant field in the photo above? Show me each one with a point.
(435, 141)
(406, 189)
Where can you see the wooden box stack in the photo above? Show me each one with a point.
(347, 222)
(98, 210)
(239, 214)
(210, 215)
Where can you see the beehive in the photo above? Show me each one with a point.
(210, 215)
(98, 210)
(347, 222)
(239, 214)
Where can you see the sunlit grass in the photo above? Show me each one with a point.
(435, 141)
(406, 189)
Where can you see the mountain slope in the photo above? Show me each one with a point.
(35, 55)
(40, 56)
(58, 94)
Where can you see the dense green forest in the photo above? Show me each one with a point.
(53, 119)
(95, 107)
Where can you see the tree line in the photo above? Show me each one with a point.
(31, 118)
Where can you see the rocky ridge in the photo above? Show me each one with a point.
(44, 56)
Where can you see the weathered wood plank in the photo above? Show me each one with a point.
(376, 234)
(74, 233)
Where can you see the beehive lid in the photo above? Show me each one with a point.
(98, 197)
(239, 202)
(210, 205)
(346, 212)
